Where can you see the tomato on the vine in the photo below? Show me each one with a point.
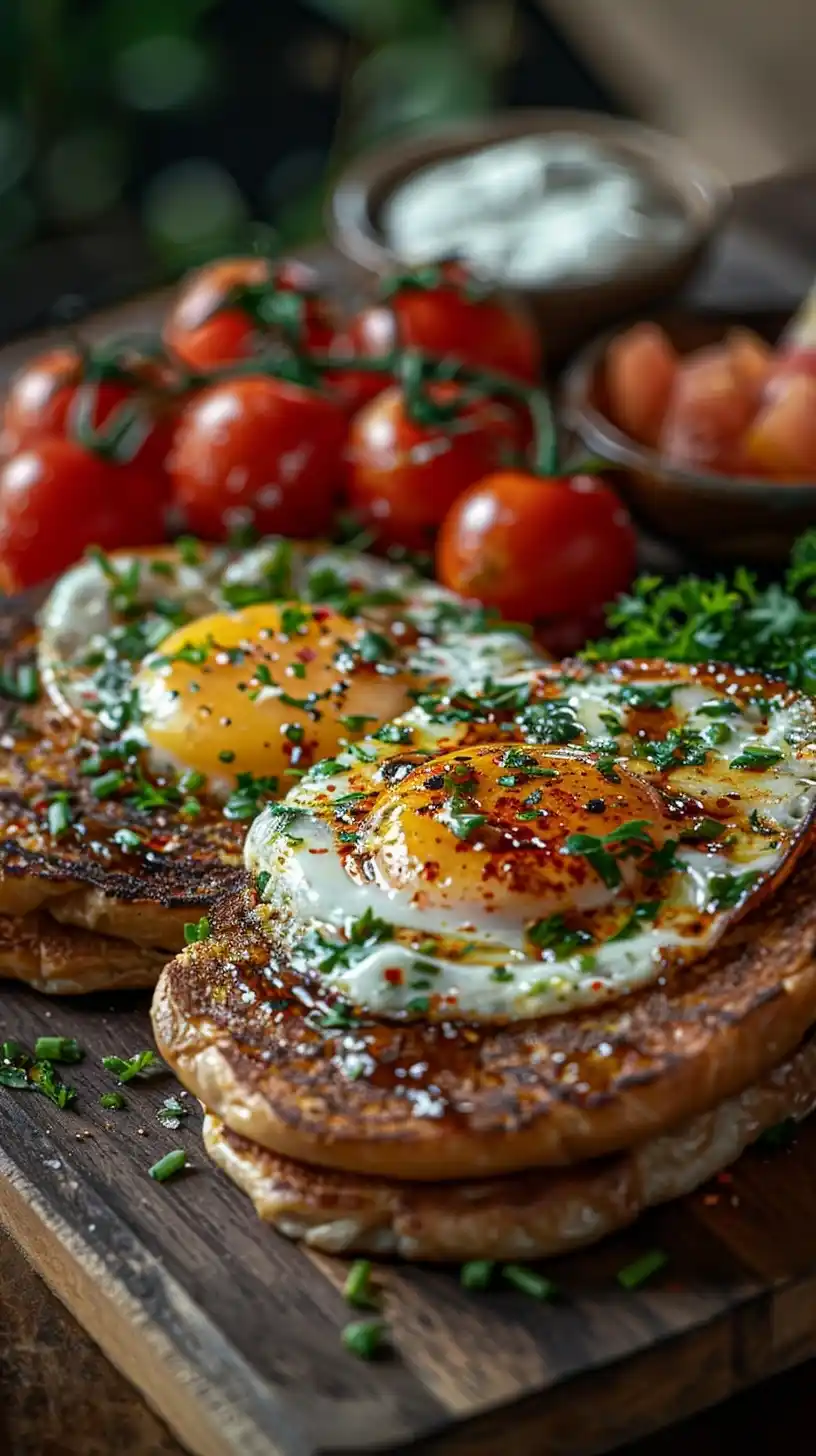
(535, 547)
(57, 498)
(45, 395)
(230, 309)
(259, 450)
(445, 311)
(410, 456)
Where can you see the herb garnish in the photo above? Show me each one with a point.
(529, 1282)
(643, 695)
(552, 933)
(363, 934)
(22, 1072)
(756, 756)
(126, 1068)
(197, 930)
(725, 892)
(645, 911)
(553, 721)
(58, 1049)
(168, 1166)
(635, 1274)
(363, 1338)
(357, 1288)
(246, 801)
(171, 1112)
(604, 851)
(22, 684)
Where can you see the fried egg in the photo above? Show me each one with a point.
(557, 840)
(230, 666)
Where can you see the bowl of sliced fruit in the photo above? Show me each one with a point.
(709, 423)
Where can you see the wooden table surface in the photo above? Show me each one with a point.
(59, 1396)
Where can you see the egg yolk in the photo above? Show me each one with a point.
(515, 830)
(270, 688)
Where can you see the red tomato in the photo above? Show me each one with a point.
(44, 396)
(403, 474)
(537, 547)
(261, 450)
(452, 318)
(227, 310)
(56, 499)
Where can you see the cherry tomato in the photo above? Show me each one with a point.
(446, 313)
(227, 311)
(405, 472)
(44, 397)
(57, 498)
(257, 449)
(535, 547)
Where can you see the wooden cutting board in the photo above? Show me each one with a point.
(233, 1334)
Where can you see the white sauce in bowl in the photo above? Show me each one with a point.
(540, 209)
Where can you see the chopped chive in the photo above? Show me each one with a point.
(262, 880)
(58, 1049)
(635, 1274)
(357, 1288)
(226, 756)
(107, 783)
(477, 1274)
(529, 1282)
(363, 1338)
(112, 1101)
(191, 780)
(168, 1166)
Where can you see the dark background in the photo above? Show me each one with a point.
(138, 137)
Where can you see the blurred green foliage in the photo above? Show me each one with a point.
(83, 81)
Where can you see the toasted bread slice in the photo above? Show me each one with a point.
(62, 960)
(526, 1216)
(412, 1100)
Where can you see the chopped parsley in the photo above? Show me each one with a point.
(126, 1068)
(246, 800)
(395, 733)
(719, 708)
(725, 892)
(171, 1113)
(553, 721)
(375, 647)
(362, 935)
(22, 1072)
(604, 851)
(112, 1101)
(553, 934)
(642, 695)
(356, 722)
(197, 930)
(275, 581)
(756, 756)
(364, 1338)
(643, 913)
(680, 747)
(771, 628)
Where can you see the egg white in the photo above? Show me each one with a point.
(306, 890)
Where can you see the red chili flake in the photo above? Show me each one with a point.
(393, 975)
(725, 1178)
(597, 986)
(306, 654)
(711, 1199)
(321, 613)
(318, 851)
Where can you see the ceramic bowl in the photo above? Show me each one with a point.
(571, 312)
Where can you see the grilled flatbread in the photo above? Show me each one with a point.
(417, 1101)
(526, 1216)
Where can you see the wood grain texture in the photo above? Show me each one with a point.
(234, 1334)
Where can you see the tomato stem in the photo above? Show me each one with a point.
(545, 455)
(122, 435)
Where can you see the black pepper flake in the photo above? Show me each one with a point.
(595, 806)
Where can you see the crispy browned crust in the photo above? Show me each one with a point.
(63, 961)
(456, 1101)
(524, 1216)
(91, 883)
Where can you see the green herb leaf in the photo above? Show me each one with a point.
(357, 1288)
(364, 1338)
(725, 892)
(126, 1068)
(643, 913)
(112, 1101)
(529, 1282)
(478, 1274)
(552, 933)
(755, 756)
(644, 695)
(197, 930)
